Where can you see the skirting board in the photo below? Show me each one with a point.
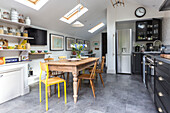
(111, 71)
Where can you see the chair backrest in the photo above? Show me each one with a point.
(48, 59)
(92, 75)
(62, 57)
(102, 63)
(44, 67)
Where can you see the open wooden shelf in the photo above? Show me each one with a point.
(13, 36)
(39, 53)
(14, 23)
(13, 50)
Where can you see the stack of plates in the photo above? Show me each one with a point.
(14, 15)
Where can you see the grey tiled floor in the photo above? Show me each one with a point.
(122, 94)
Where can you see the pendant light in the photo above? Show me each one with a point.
(117, 3)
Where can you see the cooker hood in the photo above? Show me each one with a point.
(165, 6)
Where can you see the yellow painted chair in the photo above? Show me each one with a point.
(53, 73)
(50, 81)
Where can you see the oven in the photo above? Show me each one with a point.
(149, 75)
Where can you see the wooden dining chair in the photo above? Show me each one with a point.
(99, 71)
(64, 58)
(89, 77)
(50, 81)
(52, 74)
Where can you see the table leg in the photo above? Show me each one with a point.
(75, 74)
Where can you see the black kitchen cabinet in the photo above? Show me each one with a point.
(162, 86)
(136, 63)
(148, 30)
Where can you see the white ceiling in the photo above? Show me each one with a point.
(48, 16)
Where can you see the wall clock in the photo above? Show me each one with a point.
(140, 12)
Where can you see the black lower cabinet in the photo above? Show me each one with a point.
(136, 63)
(162, 87)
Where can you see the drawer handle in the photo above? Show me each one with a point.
(160, 63)
(1, 76)
(160, 79)
(134, 55)
(160, 94)
(160, 110)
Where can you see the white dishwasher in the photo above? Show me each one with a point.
(10, 85)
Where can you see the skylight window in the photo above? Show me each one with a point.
(74, 14)
(96, 27)
(35, 4)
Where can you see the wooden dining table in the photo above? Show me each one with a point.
(74, 67)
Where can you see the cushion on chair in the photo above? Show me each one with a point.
(53, 80)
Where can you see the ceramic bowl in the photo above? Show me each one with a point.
(45, 51)
(32, 51)
(39, 51)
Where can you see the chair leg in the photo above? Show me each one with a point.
(101, 79)
(96, 76)
(40, 90)
(65, 93)
(68, 78)
(58, 90)
(49, 91)
(55, 88)
(46, 93)
(78, 85)
(93, 89)
(63, 76)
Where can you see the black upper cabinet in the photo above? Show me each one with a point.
(148, 30)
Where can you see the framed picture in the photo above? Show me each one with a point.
(88, 45)
(56, 42)
(79, 41)
(96, 44)
(68, 43)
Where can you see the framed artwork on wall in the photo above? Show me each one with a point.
(69, 41)
(56, 42)
(88, 45)
(79, 41)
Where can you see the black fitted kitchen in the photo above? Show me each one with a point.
(157, 81)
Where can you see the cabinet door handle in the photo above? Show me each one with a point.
(160, 79)
(145, 71)
(160, 63)
(1, 76)
(160, 110)
(160, 94)
(134, 55)
(141, 62)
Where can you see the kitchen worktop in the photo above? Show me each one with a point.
(159, 58)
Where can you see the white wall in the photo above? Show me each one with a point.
(97, 37)
(123, 14)
(166, 29)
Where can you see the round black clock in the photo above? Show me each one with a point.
(140, 12)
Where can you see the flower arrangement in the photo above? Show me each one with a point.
(78, 48)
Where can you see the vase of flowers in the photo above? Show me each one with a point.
(78, 48)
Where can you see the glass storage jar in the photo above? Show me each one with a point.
(1, 29)
(21, 18)
(5, 15)
(25, 34)
(18, 33)
(5, 30)
(9, 31)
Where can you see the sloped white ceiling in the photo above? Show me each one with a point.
(48, 16)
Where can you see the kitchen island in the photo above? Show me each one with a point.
(158, 83)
